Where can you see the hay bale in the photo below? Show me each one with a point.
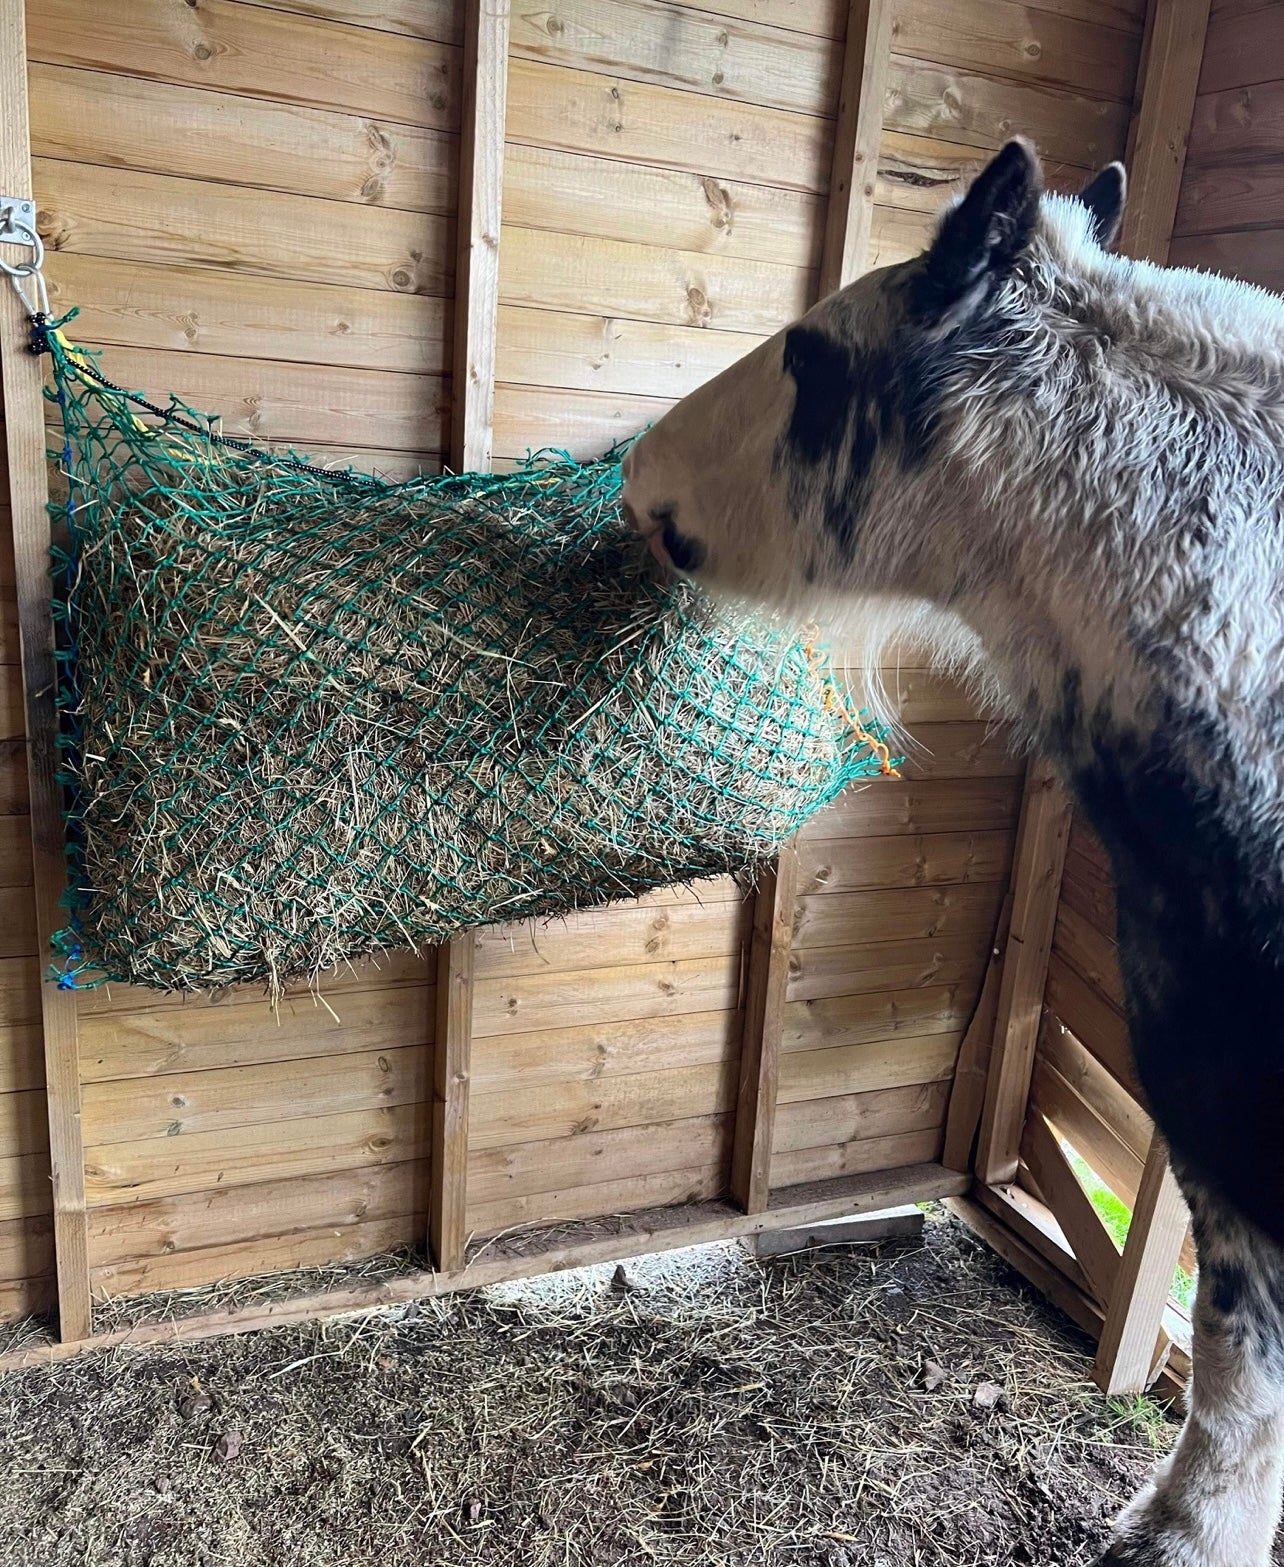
(316, 720)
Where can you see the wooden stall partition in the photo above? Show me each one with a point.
(1230, 217)
(262, 208)
(254, 207)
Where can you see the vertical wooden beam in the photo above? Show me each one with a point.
(971, 1070)
(481, 189)
(1036, 888)
(27, 477)
(1172, 52)
(767, 977)
(447, 1231)
(1134, 1317)
(850, 218)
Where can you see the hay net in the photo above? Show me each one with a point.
(310, 716)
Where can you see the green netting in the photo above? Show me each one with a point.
(310, 715)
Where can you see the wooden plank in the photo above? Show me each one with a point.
(301, 404)
(830, 865)
(13, 769)
(438, 19)
(522, 1115)
(1087, 882)
(25, 480)
(383, 971)
(451, 1130)
(611, 354)
(675, 208)
(25, 1188)
(1246, 122)
(1170, 1382)
(685, 48)
(26, 1248)
(836, 1160)
(19, 929)
(834, 919)
(126, 122)
(959, 748)
(1036, 886)
(264, 53)
(850, 1118)
(139, 216)
(850, 214)
(1166, 84)
(904, 806)
(620, 933)
(583, 423)
(1242, 48)
(481, 185)
(594, 1157)
(1089, 953)
(22, 1056)
(157, 1167)
(24, 1123)
(886, 966)
(1093, 1247)
(636, 122)
(538, 1002)
(697, 1184)
(202, 311)
(1252, 255)
(766, 978)
(841, 1022)
(863, 1068)
(27, 1297)
(15, 852)
(1033, 1223)
(180, 1104)
(583, 274)
(1097, 1024)
(653, 1230)
(972, 1069)
(1230, 196)
(329, 1246)
(1005, 39)
(965, 106)
(1134, 1317)
(138, 1047)
(599, 1050)
(1091, 1135)
(261, 1214)
(1098, 1088)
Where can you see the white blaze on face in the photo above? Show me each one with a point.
(700, 485)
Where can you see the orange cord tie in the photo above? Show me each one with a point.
(836, 704)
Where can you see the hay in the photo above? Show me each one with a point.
(720, 1412)
(314, 719)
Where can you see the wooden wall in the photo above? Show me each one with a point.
(252, 202)
(1231, 215)
(26, 1234)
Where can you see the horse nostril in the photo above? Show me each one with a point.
(686, 554)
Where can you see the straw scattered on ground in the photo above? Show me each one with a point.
(853, 1408)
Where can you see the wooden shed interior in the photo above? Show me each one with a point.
(408, 232)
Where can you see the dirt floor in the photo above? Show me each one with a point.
(902, 1407)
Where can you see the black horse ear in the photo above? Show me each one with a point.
(981, 239)
(1104, 199)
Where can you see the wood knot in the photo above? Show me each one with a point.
(699, 311)
(402, 279)
(202, 51)
(372, 190)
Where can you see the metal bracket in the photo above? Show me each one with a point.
(17, 220)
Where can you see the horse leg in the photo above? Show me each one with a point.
(1215, 1501)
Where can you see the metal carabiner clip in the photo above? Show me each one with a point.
(14, 230)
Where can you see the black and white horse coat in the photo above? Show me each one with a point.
(1070, 468)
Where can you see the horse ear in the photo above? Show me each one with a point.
(1104, 199)
(981, 239)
